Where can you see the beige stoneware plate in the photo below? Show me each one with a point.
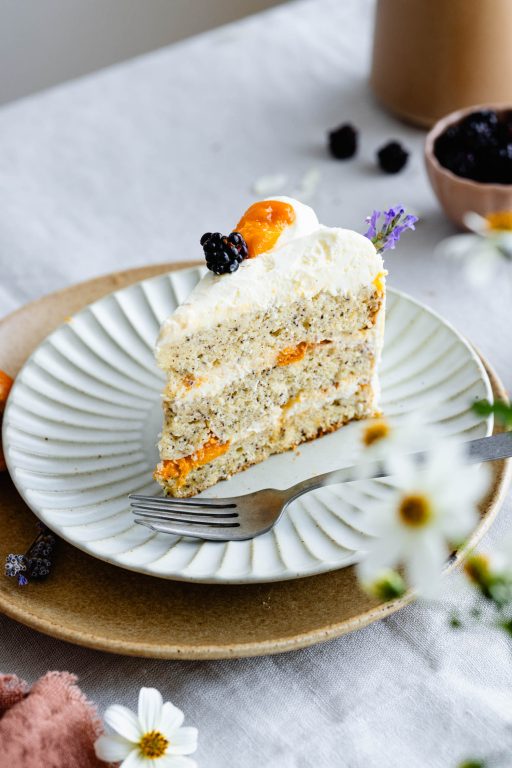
(95, 604)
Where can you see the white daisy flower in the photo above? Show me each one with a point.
(152, 737)
(404, 434)
(430, 509)
(496, 227)
(491, 572)
(381, 438)
(489, 245)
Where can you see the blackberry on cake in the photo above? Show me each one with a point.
(223, 253)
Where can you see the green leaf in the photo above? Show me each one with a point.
(388, 586)
(499, 590)
(501, 410)
(506, 625)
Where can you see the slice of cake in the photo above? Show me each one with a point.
(280, 348)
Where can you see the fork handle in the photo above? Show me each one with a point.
(491, 448)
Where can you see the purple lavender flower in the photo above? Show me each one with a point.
(372, 225)
(15, 564)
(386, 234)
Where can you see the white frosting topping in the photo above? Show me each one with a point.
(306, 222)
(308, 258)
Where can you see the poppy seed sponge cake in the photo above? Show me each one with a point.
(280, 349)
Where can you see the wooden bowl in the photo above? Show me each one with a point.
(456, 194)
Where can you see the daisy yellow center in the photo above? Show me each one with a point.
(477, 568)
(500, 220)
(375, 432)
(415, 510)
(153, 744)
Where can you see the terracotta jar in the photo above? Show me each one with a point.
(431, 57)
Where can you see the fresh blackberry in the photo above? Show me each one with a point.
(481, 117)
(38, 567)
(504, 174)
(392, 157)
(462, 163)
(41, 549)
(343, 142)
(487, 165)
(223, 253)
(479, 129)
(479, 147)
(504, 130)
(447, 144)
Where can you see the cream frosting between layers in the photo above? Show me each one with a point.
(279, 413)
(308, 258)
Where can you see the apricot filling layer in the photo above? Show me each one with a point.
(379, 281)
(290, 355)
(178, 469)
(190, 381)
(262, 224)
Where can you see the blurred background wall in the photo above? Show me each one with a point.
(44, 42)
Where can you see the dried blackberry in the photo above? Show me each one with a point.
(38, 567)
(15, 564)
(36, 563)
(42, 549)
(223, 253)
(343, 142)
(392, 157)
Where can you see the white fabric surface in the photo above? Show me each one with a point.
(130, 166)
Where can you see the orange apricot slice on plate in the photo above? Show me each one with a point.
(6, 383)
(5, 387)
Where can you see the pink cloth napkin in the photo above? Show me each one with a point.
(51, 725)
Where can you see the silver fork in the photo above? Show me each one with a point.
(244, 517)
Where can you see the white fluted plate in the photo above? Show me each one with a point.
(82, 421)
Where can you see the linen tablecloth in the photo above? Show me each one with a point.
(129, 166)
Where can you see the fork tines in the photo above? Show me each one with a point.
(197, 513)
(168, 501)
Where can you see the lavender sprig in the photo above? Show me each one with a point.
(385, 234)
(36, 562)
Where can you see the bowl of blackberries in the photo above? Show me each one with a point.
(469, 161)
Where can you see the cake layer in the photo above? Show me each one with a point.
(258, 401)
(216, 461)
(258, 338)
